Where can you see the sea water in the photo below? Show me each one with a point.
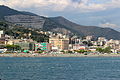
(60, 68)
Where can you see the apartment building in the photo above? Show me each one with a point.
(59, 42)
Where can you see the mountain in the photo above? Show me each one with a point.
(6, 11)
(55, 24)
(28, 13)
(97, 18)
(88, 30)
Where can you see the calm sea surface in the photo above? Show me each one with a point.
(52, 68)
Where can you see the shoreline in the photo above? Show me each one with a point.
(58, 55)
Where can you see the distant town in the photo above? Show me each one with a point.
(25, 33)
(59, 44)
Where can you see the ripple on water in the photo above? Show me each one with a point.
(52, 68)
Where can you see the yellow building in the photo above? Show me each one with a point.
(60, 43)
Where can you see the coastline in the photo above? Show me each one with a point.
(58, 55)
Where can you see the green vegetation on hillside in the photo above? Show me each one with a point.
(22, 32)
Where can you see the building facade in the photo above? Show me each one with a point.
(59, 43)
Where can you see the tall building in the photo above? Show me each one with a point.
(59, 43)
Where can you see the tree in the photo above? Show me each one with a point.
(69, 51)
(40, 51)
(62, 51)
(81, 51)
(13, 47)
(99, 50)
(107, 50)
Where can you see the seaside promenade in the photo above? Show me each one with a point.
(57, 55)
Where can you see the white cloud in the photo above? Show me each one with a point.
(62, 5)
(87, 6)
(57, 5)
(109, 25)
(90, 7)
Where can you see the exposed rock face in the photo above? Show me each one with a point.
(26, 20)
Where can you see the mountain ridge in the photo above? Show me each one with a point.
(60, 24)
(88, 30)
(6, 11)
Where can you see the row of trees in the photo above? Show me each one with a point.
(101, 50)
(13, 47)
(105, 50)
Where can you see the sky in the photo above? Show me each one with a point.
(103, 13)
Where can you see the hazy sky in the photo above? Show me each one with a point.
(85, 12)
